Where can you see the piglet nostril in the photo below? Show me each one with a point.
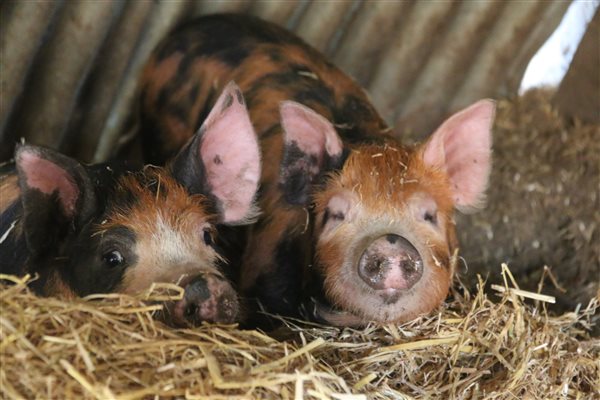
(371, 270)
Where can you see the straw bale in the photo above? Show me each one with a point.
(111, 347)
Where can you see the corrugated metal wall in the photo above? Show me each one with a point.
(69, 68)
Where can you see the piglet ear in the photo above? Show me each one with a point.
(56, 194)
(311, 147)
(461, 146)
(222, 160)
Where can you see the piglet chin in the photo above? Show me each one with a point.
(337, 317)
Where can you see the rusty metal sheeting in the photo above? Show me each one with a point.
(69, 69)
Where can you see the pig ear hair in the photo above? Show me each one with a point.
(222, 160)
(311, 147)
(56, 194)
(462, 147)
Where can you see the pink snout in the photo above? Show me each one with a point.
(206, 298)
(391, 264)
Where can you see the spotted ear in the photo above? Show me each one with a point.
(462, 147)
(222, 160)
(56, 194)
(311, 147)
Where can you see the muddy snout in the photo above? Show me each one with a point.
(207, 298)
(390, 263)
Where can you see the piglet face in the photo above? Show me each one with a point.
(155, 225)
(153, 231)
(385, 237)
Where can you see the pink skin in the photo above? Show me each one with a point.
(47, 177)
(229, 151)
(312, 133)
(462, 147)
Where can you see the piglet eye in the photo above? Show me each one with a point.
(430, 217)
(113, 258)
(208, 239)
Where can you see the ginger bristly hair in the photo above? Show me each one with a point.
(386, 183)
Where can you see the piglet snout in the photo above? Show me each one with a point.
(390, 263)
(207, 298)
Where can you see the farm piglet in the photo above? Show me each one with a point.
(101, 228)
(356, 226)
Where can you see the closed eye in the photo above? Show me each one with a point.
(430, 217)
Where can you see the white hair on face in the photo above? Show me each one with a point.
(169, 254)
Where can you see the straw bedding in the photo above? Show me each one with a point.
(111, 347)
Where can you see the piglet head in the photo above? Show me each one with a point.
(152, 225)
(384, 231)
(211, 182)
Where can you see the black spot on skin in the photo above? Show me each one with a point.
(104, 178)
(349, 118)
(233, 56)
(179, 111)
(161, 99)
(272, 131)
(392, 238)
(228, 102)
(297, 174)
(180, 78)
(275, 55)
(155, 150)
(193, 93)
(177, 44)
(219, 36)
(240, 97)
(217, 160)
(315, 93)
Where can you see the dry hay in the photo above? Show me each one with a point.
(110, 347)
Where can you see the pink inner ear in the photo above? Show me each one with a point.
(230, 153)
(312, 133)
(462, 147)
(48, 177)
